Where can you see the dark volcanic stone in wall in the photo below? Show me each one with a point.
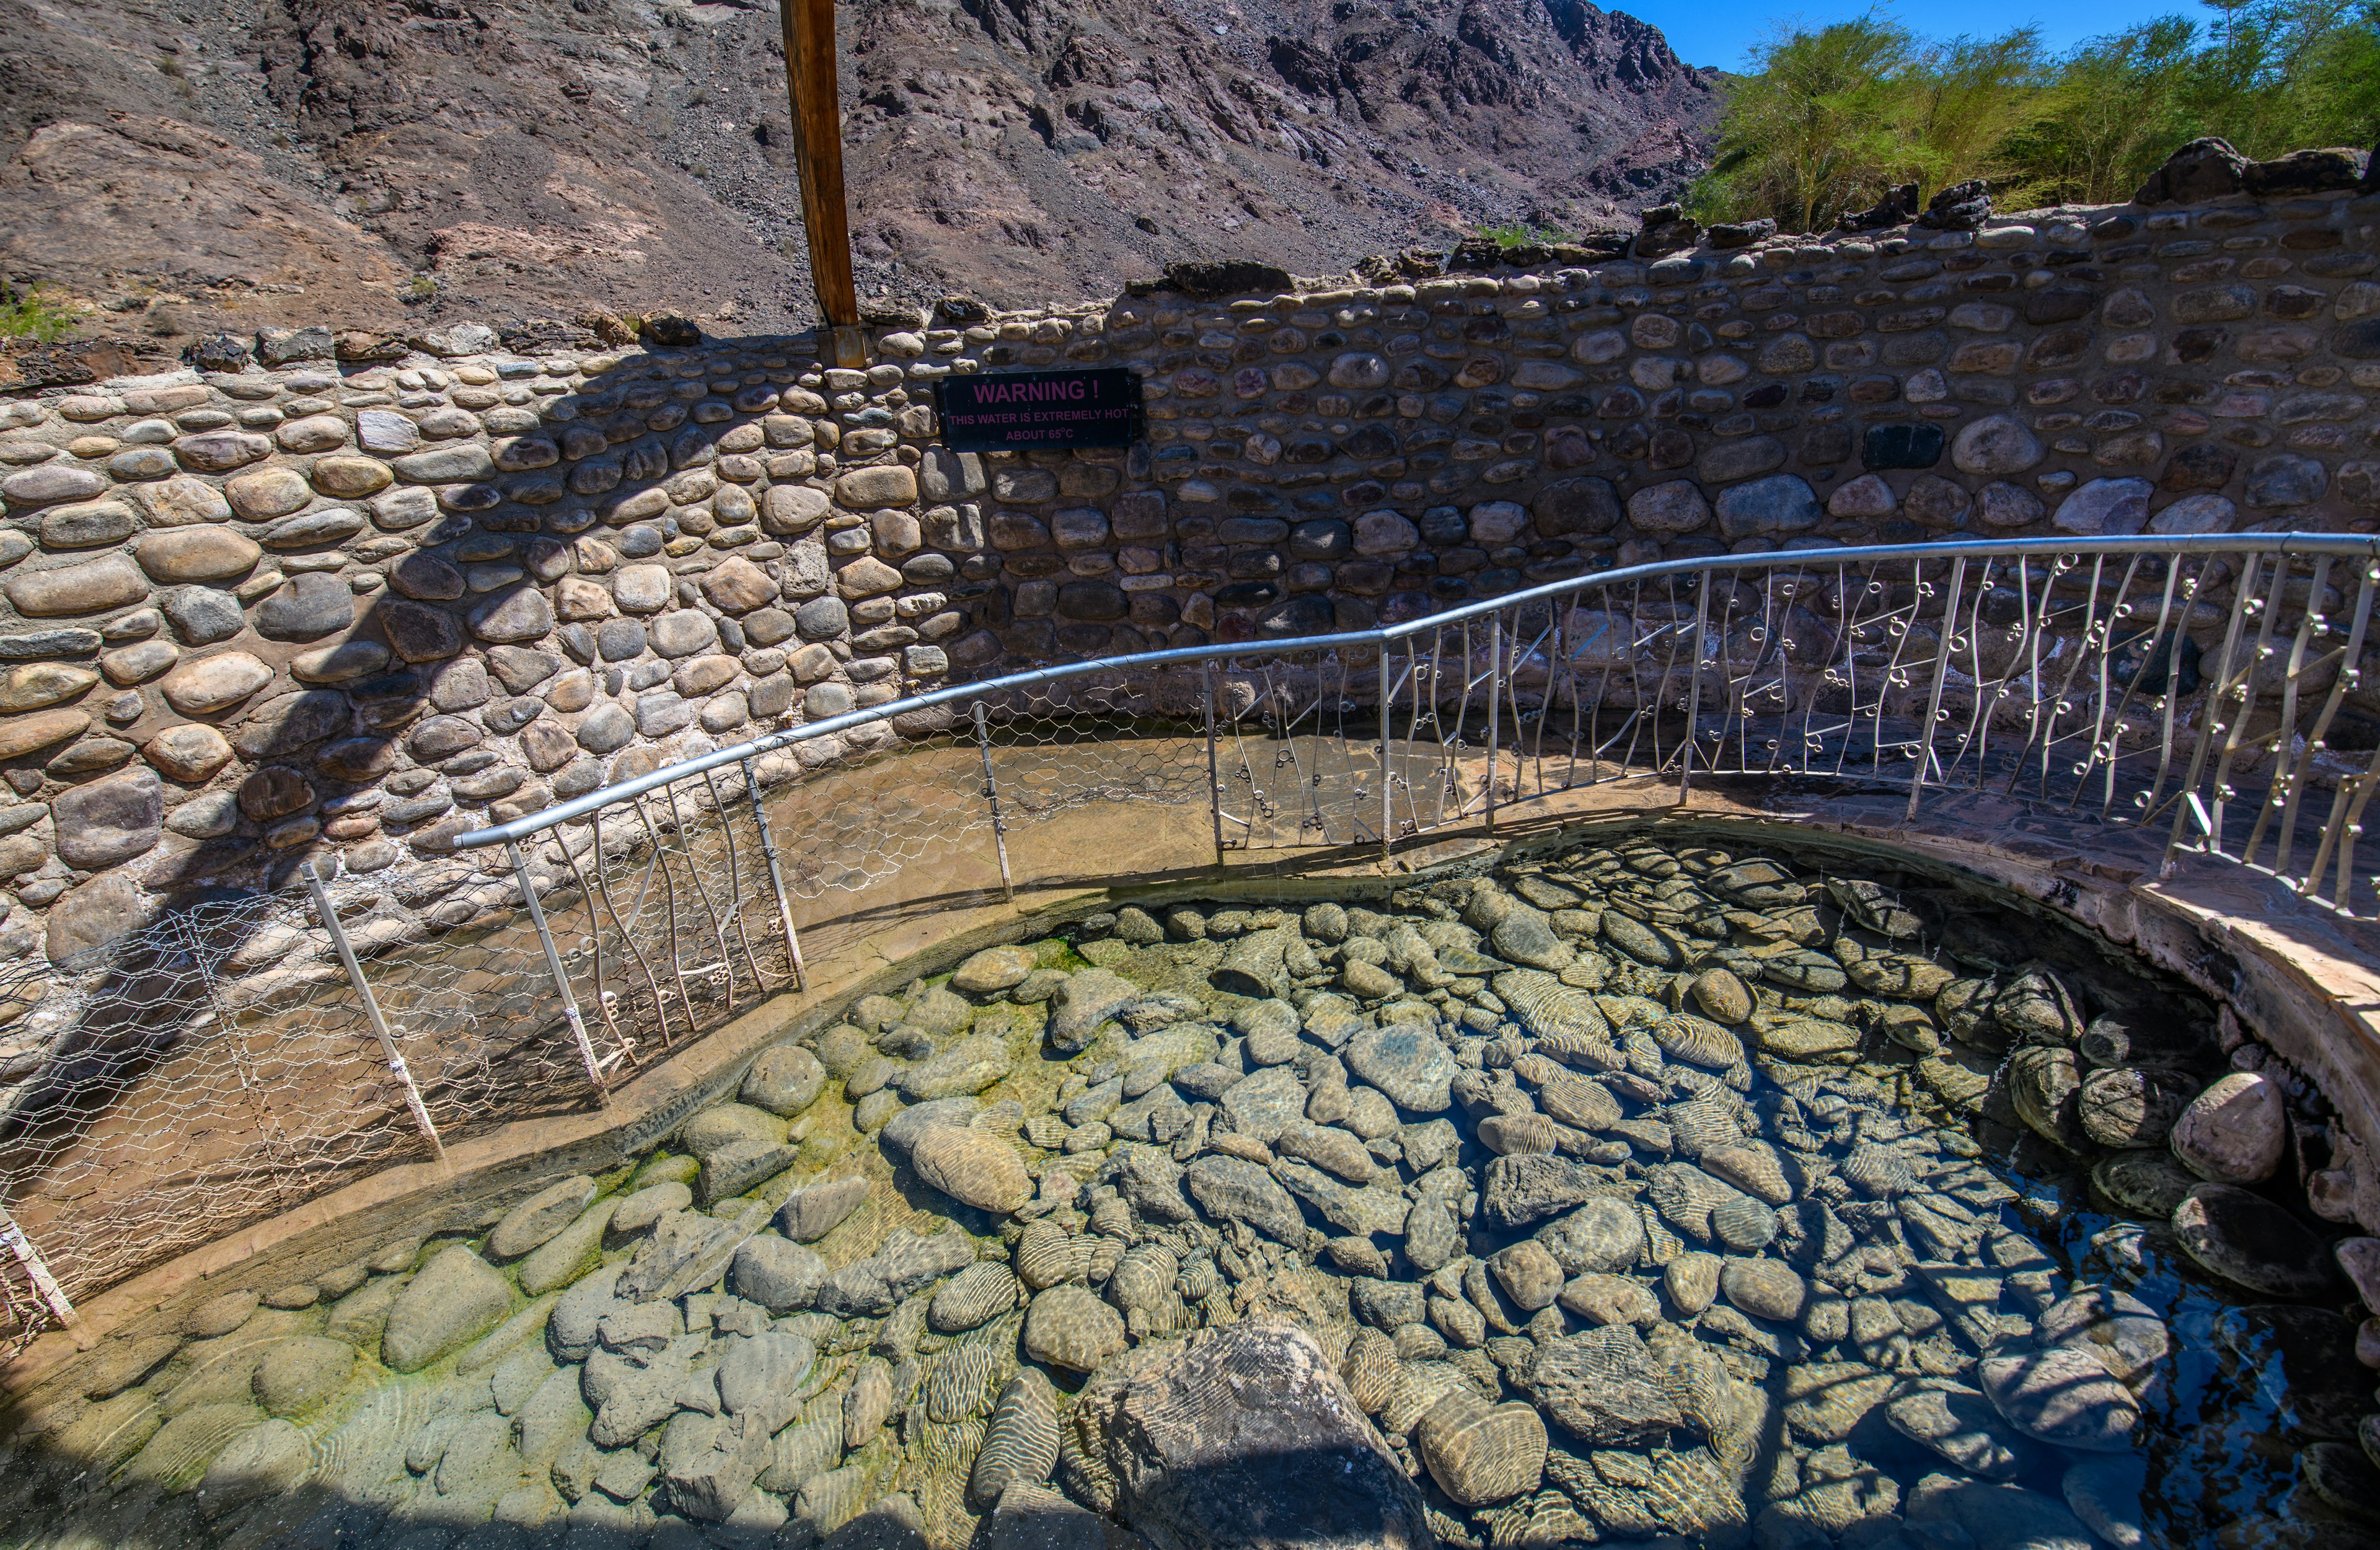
(1903, 447)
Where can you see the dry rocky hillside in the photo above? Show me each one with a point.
(198, 165)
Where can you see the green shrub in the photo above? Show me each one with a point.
(1520, 233)
(33, 312)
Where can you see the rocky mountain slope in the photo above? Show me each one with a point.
(190, 164)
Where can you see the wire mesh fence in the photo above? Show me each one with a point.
(223, 1064)
(240, 1057)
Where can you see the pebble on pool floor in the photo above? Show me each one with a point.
(1634, 1192)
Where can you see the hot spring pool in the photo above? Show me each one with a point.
(1641, 1191)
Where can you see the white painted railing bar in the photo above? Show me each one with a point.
(36, 1270)
(990, 796)
(561, 980)
(370, 1003)
(777, 872)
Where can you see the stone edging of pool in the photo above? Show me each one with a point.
(2304, 980)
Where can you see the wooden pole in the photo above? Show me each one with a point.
(817, 146)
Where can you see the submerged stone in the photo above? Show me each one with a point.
(1960, 1424)
(1407, 1062)
(1245, 1435)
(1672, 1198)
(1603, 1386)
(2064, 1396)
(457, 1297)
(2242, 1237)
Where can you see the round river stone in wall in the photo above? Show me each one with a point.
(1675, 507)
(2110, 508)
(197, 554)
(307, 607)
(38, 683)
(87, 588)
(1995, 444)
(1781, 503)
(214, 682)
(190, 752)
(106, 821)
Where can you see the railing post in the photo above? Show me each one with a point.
(1695, 686)
(1495, 708)
(2218, 693)
(776, 878)
(1941, 670)
(2349, 827)
(1214, 780)
(346, 949)
(1388, 801)
(991, 794)
(561, 980)
(37, 1270)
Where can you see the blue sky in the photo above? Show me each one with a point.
(1719, 31)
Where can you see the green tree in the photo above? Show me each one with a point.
(2117, 107)
(2276, 75)
(1815, 127)
(1830, 118)
(1966, 99)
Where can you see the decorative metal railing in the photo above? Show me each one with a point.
(233, 1059)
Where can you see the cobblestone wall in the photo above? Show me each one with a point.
(368, 592)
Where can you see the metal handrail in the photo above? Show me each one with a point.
(620, 791)
(2080, 675)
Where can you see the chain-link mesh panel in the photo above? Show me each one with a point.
(174, 1084)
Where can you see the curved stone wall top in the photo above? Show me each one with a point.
(346, 608)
